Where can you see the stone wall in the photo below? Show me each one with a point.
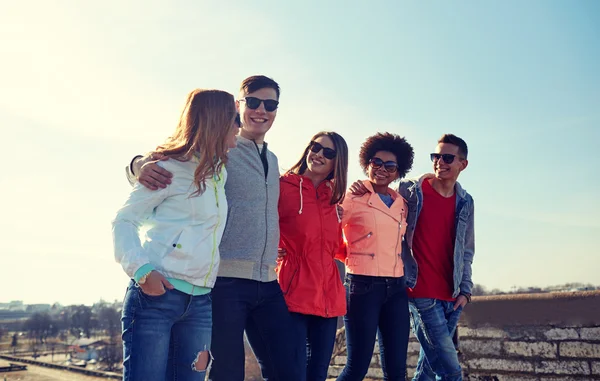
(518, 337)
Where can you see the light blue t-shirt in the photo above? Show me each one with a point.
(387, 199)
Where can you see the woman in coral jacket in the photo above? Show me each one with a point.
(310, 237)
(374, 225)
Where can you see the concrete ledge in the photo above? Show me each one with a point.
(564, 309)
(95, 373)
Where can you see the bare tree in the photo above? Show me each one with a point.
(109, 320)
(40, 326)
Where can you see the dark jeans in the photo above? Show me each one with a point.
(377, 306)
(260, 310)
(434, 324)
(319, 335)
(163, 335)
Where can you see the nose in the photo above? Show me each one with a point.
(381, 170)
(261, 108)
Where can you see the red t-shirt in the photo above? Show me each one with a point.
(433, 246)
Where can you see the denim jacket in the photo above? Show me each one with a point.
(464, 245)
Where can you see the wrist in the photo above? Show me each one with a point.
(467, 296)
(133, 163)
(141, 275)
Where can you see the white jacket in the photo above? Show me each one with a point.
(182, 232)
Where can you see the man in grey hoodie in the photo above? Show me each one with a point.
(246, 296)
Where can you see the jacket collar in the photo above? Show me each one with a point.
(397, 209)
(247, 142)
(458, 189)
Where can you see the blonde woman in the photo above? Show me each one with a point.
(167, 311)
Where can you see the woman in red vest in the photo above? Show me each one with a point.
(310, 237)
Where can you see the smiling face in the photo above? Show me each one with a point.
(448, 172)
(256, 123)
(380, 176)
(316, 162)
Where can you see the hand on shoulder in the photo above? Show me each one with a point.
(151, 175)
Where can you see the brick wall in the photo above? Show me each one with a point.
(518, 337)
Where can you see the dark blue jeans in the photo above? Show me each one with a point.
(319, 335)
(259, 309)
(377, 306)
(434, 323)
(163, 335)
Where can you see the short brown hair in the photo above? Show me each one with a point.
(463, 150)
(257, 82)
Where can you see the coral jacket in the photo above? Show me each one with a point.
(374, 234)
(311, 235)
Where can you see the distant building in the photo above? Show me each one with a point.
(15, 305)
(86, 349)
(33, 308)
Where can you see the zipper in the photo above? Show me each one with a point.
(212, 257)
(267, 227)
(287, 290)
(396, 248)
(361, 238)
(322, 254)
(262, 257)
(372, 255)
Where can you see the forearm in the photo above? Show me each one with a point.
(127, 247)
(126, 226)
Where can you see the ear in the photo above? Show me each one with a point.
(464, 163)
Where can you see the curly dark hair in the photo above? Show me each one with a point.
(387, 142)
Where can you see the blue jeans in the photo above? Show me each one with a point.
(434, 323)
(377, 306)
(259, 309)
(164, 335)
(319, 335)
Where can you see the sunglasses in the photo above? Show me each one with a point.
(448, 158)
(327, 152)
(253, 103)
(389, 166)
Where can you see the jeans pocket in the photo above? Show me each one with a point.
(423, 304)
(152, 297)
(359, 288)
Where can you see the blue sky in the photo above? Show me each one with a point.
(87, 85)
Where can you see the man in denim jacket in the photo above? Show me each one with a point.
(438, 253)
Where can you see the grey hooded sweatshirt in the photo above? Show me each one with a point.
(249, 244)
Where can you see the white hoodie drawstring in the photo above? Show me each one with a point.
(301, 201)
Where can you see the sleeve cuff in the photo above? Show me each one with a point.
(466, 295)
(145, 269)
(131, 163)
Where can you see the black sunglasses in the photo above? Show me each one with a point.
(327, 152)
(389, 166)
(253, 103)
(447, 157)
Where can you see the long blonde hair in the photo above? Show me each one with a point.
(207, 118)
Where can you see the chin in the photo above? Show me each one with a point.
(259, 130)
